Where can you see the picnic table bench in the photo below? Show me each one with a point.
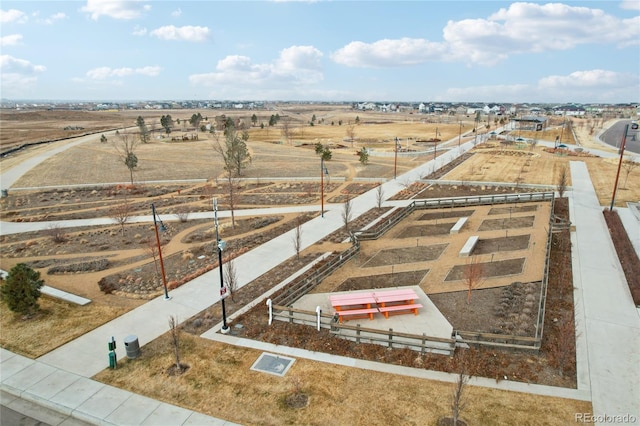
(397, 301)
(368, 303)
(354, 305)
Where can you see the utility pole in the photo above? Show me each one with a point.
(615, 187)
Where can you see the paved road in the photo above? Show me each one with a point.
(613, 136)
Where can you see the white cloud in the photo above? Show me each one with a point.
(520, 28)
(139, 31)
(601, 79)
(530, 27)
(116, 9)
(186, 33)
(176, 13)
(53, 18)
(389, 53)
(580, 86)
(103, 73)
(13, 15)
(630, 4)
(11, 40)
(9, 64)
(296, 66)
(18, 75)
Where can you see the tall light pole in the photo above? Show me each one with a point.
(155, 226)
(615, 186)
(224, 292)
(323, 171)
(459, 133)
(395, 158)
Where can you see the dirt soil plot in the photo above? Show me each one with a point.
(446, 214)
(494, 245)
(406, 255)
(512, 209)
(399, 279)
(507, 223)
(499, 268)
(427, 230)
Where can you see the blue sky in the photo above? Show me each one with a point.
(458, 51)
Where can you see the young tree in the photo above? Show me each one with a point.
(629, 166)
(126, 149)
(235, 157)
(103, 139)
(231, 277)
(351, 133)
(473, 276)
(347, 212)
(458, 398)
(562, 181)
(175, 342)
(297, 237)
(254, 120)
(364, 156)
(379, 196)
(142, 127)
(22, 289)
(286, 130)
(131, 161)
(121, 213)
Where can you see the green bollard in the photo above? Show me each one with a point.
(113, 362)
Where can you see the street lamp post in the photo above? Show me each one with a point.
(459, 133)
(155, 226)
(223, 290)
(323, 171)
(615, 186)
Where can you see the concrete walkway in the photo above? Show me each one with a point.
(84, 399)
(608, 348)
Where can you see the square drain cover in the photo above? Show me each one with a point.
(273, 364)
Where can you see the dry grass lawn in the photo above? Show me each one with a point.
(220, 383)
(57, 323)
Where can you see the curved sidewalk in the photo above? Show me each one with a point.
(608, 348)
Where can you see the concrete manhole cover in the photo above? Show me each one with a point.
(273, 364)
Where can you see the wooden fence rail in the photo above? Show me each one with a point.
(359, 334)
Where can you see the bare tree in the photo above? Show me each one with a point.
(629, 166)
(297, 237)
(175, 342)
(152, 248)
(231, 277)
(459, 400)
(562, 181)
(122, 213)
(379, 196)
(351, 133)
(473, 276)
(235, 156)
(347, 212)
(285, 130)
(125, 146)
